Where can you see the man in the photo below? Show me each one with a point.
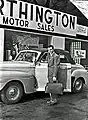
(53, 65)
(13, 52)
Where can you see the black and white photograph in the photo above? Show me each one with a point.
(43, 59)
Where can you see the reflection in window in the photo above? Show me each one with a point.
(27, 56)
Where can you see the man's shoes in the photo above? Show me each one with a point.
(48, 102)
(52, 102)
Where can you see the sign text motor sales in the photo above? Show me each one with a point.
(25, 15)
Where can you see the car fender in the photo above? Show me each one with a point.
(80, 73)
(27, 80)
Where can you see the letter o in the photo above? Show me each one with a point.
(21, 23)
(11, 21)
(65, 20)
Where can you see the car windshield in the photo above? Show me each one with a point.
(65, 56)
(27, 56)
(70, 59)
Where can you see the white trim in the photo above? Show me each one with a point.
(29, 32)
(43, 89)
(77, 39)
(67, 90)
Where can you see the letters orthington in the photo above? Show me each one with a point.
(2, 5)
(30, 16)
(39, 14)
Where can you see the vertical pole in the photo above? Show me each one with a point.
(1, 44)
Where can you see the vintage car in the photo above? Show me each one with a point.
(27, 73)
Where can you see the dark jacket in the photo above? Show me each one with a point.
(53, 64)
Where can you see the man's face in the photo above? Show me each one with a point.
(50, 50)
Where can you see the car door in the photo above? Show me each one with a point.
(27, 58)
(41, 72)
(65, 72)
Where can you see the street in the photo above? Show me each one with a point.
(34, 107)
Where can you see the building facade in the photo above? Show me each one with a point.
(24, 26)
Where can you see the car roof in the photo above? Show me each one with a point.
(40, 49)
(56, 50)
(61, 51)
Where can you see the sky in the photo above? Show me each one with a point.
(82, 5)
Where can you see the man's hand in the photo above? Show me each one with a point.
(54, 79)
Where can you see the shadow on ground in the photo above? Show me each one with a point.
(33, 96)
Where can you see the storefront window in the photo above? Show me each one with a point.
(78, 50)
(16, 41)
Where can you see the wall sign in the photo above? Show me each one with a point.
(82, 30)
(25, 15)
(80, 54)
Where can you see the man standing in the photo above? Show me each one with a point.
(13, 52)
(53, 65)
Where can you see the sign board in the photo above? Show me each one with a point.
(80, 54)
(82, 30)
(19, 14)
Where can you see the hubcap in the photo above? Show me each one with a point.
(78, 85)
(12, 93)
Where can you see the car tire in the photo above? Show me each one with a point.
(77, 85)
(12, 93)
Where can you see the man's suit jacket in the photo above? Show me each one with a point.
(53, 63)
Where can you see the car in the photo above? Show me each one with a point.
(28, 72)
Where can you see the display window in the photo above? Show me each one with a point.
(78, 50)
(16, 41)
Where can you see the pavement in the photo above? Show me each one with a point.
(34, 107)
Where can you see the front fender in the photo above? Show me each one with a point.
(26, 79)
(80, 73)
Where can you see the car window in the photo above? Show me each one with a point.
(64, 59)
(20, 57)
(44, 57)
(27, 56)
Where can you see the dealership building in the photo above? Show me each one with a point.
(27, 26)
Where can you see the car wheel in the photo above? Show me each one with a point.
(12, 93)
(77, 85)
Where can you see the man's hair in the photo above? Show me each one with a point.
(51, 46)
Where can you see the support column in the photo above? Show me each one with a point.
(58, 42)
(1, 44)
